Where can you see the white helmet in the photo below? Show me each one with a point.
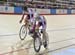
(36, 15)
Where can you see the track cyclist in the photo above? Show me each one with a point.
(35, 20)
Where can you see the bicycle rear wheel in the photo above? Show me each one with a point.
(46, 40)
(23, 32)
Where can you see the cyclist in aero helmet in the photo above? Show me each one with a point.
(29, 18)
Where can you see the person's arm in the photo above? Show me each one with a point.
(22, 17)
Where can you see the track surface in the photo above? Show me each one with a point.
(61, 36)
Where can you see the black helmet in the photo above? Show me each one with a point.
(24, 8)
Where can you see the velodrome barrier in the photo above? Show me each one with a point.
(18, 10)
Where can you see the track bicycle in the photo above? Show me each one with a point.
(37, 40)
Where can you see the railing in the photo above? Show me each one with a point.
(41, 4)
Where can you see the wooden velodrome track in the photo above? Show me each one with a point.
(60, 28)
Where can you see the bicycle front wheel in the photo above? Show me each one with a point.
(37, 43)
(23, 32)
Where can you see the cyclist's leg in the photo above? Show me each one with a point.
(32, 27)
(44, 29)
(26, 21)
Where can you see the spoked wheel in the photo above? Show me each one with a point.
(37, 43)
(23, 32)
